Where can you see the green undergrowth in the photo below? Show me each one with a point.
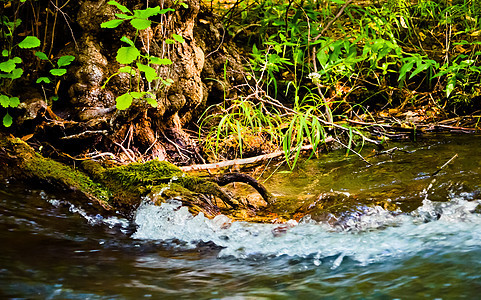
(317, 62)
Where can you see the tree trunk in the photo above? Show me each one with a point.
(87, 118)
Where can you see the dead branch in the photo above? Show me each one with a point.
(244, 161)
(244, 178)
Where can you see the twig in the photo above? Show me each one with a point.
(85, 134)
(447, 163)
(125, 151)
(66, 21)
(179, 150)
(218, 47)
(353, 151)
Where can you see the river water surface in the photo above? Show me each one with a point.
(431, 250)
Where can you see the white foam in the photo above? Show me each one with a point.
(374, 236)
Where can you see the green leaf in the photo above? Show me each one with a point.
(152, 102)
(140, 24)
(420, 68)
(178, 38)
(404, 69)
(55, 98)
(58, 72)
(29, 42)
(160, 61)
(450, 86)
(150, 73)
(17, 60)
(124, 16)
(184, 5)
(147, 13)
(126, 55)
(125, 69)
(127, 40)
(14, 102)
(7, 120)
(124, 101)
(165, 10)
(43, 79)
(5, 52)
(41, 55)
(169, 41)
(17, 73)
(4, 101)
(111, 24)
(136, 95)
(167, 82)
(119, 6)
(7, 66)
(65, 60)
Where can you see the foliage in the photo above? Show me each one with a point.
(56, 71)
(323, 51)
(135, 62)
(243, 119)
(10, 66)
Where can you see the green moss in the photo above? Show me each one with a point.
(121, 187)
(149, 173)
(34, 165)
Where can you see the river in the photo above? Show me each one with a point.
(429, 249)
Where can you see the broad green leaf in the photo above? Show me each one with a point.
(65, 60)
(54, 98)
(5, 52)
(17, 60)
(140, 24)
(127, 40)
(58, 72)
(160, 61)
(7, 66)
(4, 101)
(41, 55)
(7, 120)
(14, 101)
(126, 55)
(147, 13)
(169, 41)
(136, 95)
(178, 38)
(29, 42)
(119, 6)
(17, 73)
(152, 102)
(111, 24)
(43, 79)
(150, 73)
(125, 69)
(124, 101)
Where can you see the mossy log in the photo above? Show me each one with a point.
(123, 188)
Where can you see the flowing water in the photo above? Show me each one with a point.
(53, 250)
